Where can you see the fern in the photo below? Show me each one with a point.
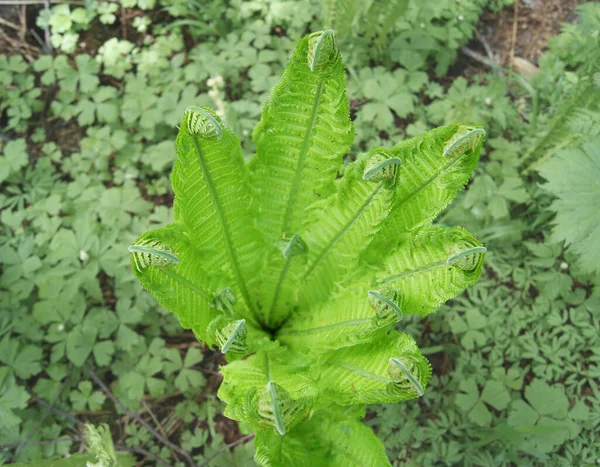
(374, 19)
(303, 268)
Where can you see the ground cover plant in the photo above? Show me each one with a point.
(89, 111)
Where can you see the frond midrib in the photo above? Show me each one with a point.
(362, 372)
(343, 231)
(428, 182)
(277, 291)
(225, 228)
(412, 272)
(302, 158)
(351, 322)
(186, 283)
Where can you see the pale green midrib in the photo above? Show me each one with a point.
(343, 231)
(302, 158)
(362, 372)
(428, 182)
(186, 283)
(267, 366)
(409, 376)
(351, 322)
(280, 281)
(429, 267)
(277, 415)
(412, 272)
(225, 227)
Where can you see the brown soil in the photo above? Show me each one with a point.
(532, 22)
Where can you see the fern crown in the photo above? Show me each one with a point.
(300, 267)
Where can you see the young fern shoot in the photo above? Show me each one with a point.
(301, 275)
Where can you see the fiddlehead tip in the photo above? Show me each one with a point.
(224, 301)
(273, 403)
(467, 259)
(466, 138)
(322, 49)
(381, 167)
(405, 373)
(293, 247)
(387, 305)
(147, 252)
(232, 338)
(203, 122)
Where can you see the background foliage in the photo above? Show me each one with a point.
(88, 119)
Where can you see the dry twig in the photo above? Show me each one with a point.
(513, 41)
(139, 419)
(225, 448)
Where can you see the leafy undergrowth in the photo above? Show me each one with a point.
(86, 147)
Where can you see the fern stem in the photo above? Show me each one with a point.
(267, 366)
(362, 372)
(325, 328)
(449, 164)
(225, 227)
(186, 283)
(343, 231)
(302, 158)
(280, 282)
(412, 272)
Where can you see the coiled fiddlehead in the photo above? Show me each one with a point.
(293, 247)
(232, 338)
(224, 301)
(405, 374)
(468, 259)
(387, 306)
(322, 49)
(152, 253)
(276, 408)
(202, 122)
(409, 370)
(381, 167)
(466, 138)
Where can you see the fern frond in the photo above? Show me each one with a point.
(261, 390)
(282, 275)
(348, 222)
(436, 165)
(331, 437)
(304, 131)
(433, 268)
(170, 268)
(368, 373)
(212, 200)
(354, 315)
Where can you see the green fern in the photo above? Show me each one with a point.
(303, 267)
(374, 19)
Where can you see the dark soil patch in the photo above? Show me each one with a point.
(533, 23)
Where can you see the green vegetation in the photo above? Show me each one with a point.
(299, 305)
(85, 150)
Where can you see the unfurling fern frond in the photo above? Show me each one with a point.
(299, 273)
(233, 337)
(448, 257)
(361, 374)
